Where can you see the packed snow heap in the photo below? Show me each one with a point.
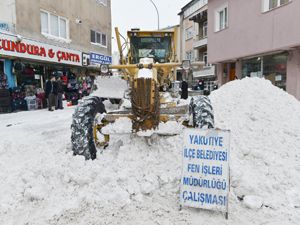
(130, 182)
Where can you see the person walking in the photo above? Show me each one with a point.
(184, 90)
(59, 102)
(51, 92)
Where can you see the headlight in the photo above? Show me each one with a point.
(186, 64)
(104, 69)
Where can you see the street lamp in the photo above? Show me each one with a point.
(156, 12)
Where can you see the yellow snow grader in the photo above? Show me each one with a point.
(149, 68)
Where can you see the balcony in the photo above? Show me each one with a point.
(207, 71)
(200, 43)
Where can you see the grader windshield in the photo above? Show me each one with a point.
(156, 47)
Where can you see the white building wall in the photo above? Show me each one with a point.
(8, 11)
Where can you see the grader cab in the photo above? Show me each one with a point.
(149, 67)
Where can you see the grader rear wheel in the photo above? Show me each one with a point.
(202, 112)
(83, 127)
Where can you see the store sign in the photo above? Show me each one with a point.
(98, 59)
(4, 26)
(24, 48)
(205, 172)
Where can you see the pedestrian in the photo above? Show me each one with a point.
(201, 85)
(51, 92)
(59, 103)
(184, 90)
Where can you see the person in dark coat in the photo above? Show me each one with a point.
(51, 93)
(184, 90)
(59, 104)
(201, 85)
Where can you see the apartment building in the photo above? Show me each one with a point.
(193, 23)
(258, 38)
(39, 37)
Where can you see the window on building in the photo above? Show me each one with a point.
(189, 55)
(93, 36)
(98, 38)
(189, 33)
(204, 28)
(271, 4)
(54, 25)
(205, 58)
(102, 2)
(221, 18)
(44, 22)
(104, 39)
(63, 28)
(196, 29)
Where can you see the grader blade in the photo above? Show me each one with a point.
(145, 104)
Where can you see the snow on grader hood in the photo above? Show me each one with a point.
(149, 68)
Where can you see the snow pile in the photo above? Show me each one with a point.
(121, 125)
(169, 128)
(265, 146)
(110, 87)
(132, 182)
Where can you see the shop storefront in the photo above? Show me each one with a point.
(271, 67)
(25, 66)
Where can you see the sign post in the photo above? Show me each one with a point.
(205, 171)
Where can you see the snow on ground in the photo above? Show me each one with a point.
(41, 182)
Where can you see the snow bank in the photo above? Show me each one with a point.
(41, 182)
(265, 130)
(110, 87)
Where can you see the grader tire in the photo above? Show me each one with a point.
(202, 112)
(82, 137)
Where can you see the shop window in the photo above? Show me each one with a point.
(54, 26)
(1, 66)
(98, 38)
(271, 67)
(252, 67)
(221, 18)
(275, 69)
(271, 4)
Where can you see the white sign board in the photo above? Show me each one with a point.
(10, 45)
(205, 172)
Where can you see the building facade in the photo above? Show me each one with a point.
(259, 38)
(193, 23)
(52, 35)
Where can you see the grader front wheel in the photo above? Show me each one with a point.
(83, 127)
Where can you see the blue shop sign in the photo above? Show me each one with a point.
(100, 59)
(4, 26)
